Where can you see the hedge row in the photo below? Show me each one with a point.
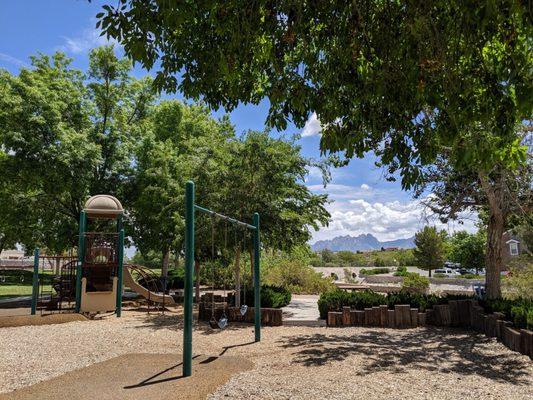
(337, 299)
(374, 271)
(519, 311)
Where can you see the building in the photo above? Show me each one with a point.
(512, 246)
(14, 258)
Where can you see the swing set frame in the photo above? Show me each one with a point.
(190, 212)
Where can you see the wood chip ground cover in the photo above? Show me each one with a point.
(290, 362)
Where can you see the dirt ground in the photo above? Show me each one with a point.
(290, 362)
(137, 377)
(24, 320)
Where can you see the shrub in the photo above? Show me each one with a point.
(374, 271)
(519, 283)
(401, 271)
(271, 296)
(294, 276)
(274, 296)
(440, 276)
(176, 278)
(379, 262)
(415, 300)
(336, 299)
(414, 283)
(519, 311)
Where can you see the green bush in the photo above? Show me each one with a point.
(293, 275)
(374, 271)
(401, 271)
(271, 296)
(275, 296)
(176, 278)
(336, 299)
(379, 262)
(519, 311)
(440, 275)
(415, 300)
(414, 283)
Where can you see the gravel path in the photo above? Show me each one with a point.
(290, 362)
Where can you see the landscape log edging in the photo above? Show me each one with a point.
(269, 316)
(458, 313)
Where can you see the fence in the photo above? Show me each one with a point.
(457, 313)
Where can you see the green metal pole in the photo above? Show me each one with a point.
(189, 272)
(119, 270)
(257, 279)
(35, 282)
(81, 253)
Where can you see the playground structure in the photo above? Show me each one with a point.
(100, 257)
(190, 211)
(91, 282)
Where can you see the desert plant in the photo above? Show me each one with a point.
(401, 271)
(414, 283)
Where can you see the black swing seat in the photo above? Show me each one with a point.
(213, 323)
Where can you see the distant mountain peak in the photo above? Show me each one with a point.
(362, 242)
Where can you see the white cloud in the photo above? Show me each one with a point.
(88, 39)
(385, 220)
(364, 186)
(313, 174)
(12, 60)
(312, 126)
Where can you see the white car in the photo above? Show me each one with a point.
(448, 272)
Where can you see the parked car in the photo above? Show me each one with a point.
(448, 272)
(465, 271)
(452, 265)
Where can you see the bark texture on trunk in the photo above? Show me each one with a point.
(238, 277)
(164, 267)
(493, 256)
(497, 215)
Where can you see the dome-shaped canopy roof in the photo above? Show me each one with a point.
(103, 206)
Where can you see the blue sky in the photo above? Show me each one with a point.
(363, 202)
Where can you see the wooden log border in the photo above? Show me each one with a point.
(458, 313)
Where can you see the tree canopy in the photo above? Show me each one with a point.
(400, 78)
(66, 134)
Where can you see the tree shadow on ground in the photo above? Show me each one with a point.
(432, 349)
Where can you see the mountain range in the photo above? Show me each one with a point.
(363, 242)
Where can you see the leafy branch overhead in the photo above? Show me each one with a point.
(402, 79)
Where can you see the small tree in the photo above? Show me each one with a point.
(327, 255)
(468, 249)
(430, 248)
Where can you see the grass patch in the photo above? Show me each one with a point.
(15, 283)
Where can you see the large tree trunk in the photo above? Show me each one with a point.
(238, 277)
(496, 225)
(493, 256)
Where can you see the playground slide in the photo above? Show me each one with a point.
(147, 294)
